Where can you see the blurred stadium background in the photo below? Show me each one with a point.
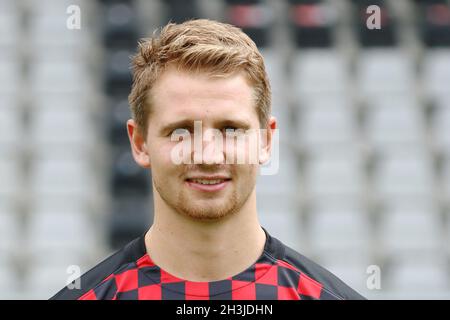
(364, 118)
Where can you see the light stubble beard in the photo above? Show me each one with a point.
(183, 205)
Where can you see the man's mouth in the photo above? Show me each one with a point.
(208, 183)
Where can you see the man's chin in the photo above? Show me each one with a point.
(208, 212)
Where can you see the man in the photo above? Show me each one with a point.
(194, 80)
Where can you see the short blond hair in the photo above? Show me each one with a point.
(198, 45)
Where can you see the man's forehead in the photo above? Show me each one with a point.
(176, 85)
(198, 96)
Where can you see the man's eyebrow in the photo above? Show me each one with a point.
(189, 124)
(237, 123)
(169, 127)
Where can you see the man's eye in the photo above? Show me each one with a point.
(180, 131)
(229, 128)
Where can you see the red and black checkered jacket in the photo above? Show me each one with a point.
(280, 273)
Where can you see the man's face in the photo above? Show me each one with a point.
(178, 100)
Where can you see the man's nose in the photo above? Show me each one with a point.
(213, 148)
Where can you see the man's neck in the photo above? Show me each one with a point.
(205, 250)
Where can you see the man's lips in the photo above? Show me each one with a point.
(215, 177)
(209, 183)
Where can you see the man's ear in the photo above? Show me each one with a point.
(138, 144)
(266, 140)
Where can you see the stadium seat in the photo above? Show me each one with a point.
(119, 26)
(120, 113)
(312, 23)
(392, 121)
(10, 230)
(444, 177)
(10, 283)
(48, 25)
(253, 17)
(72, 126)
(326, 121)
(181, 10)
(283, 174)
(410, 227)
(414, 275)
(53, 32)
(12, 178)
(386, 35)
(129, 218)
(270, 203)
(10, 28)
(440, 122)
(404, 173)
(53, 176)
(436, 73)
(117, 74)
(338, 228)
(68, 230)
(385, 71)
(285, 123)
(10, 76)
(284, 225)
(127, 177)
(59, 77)
(275, 69)
(319, 72)
(11, 124)
(279, 214)
(434, 23)
(338, 174)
